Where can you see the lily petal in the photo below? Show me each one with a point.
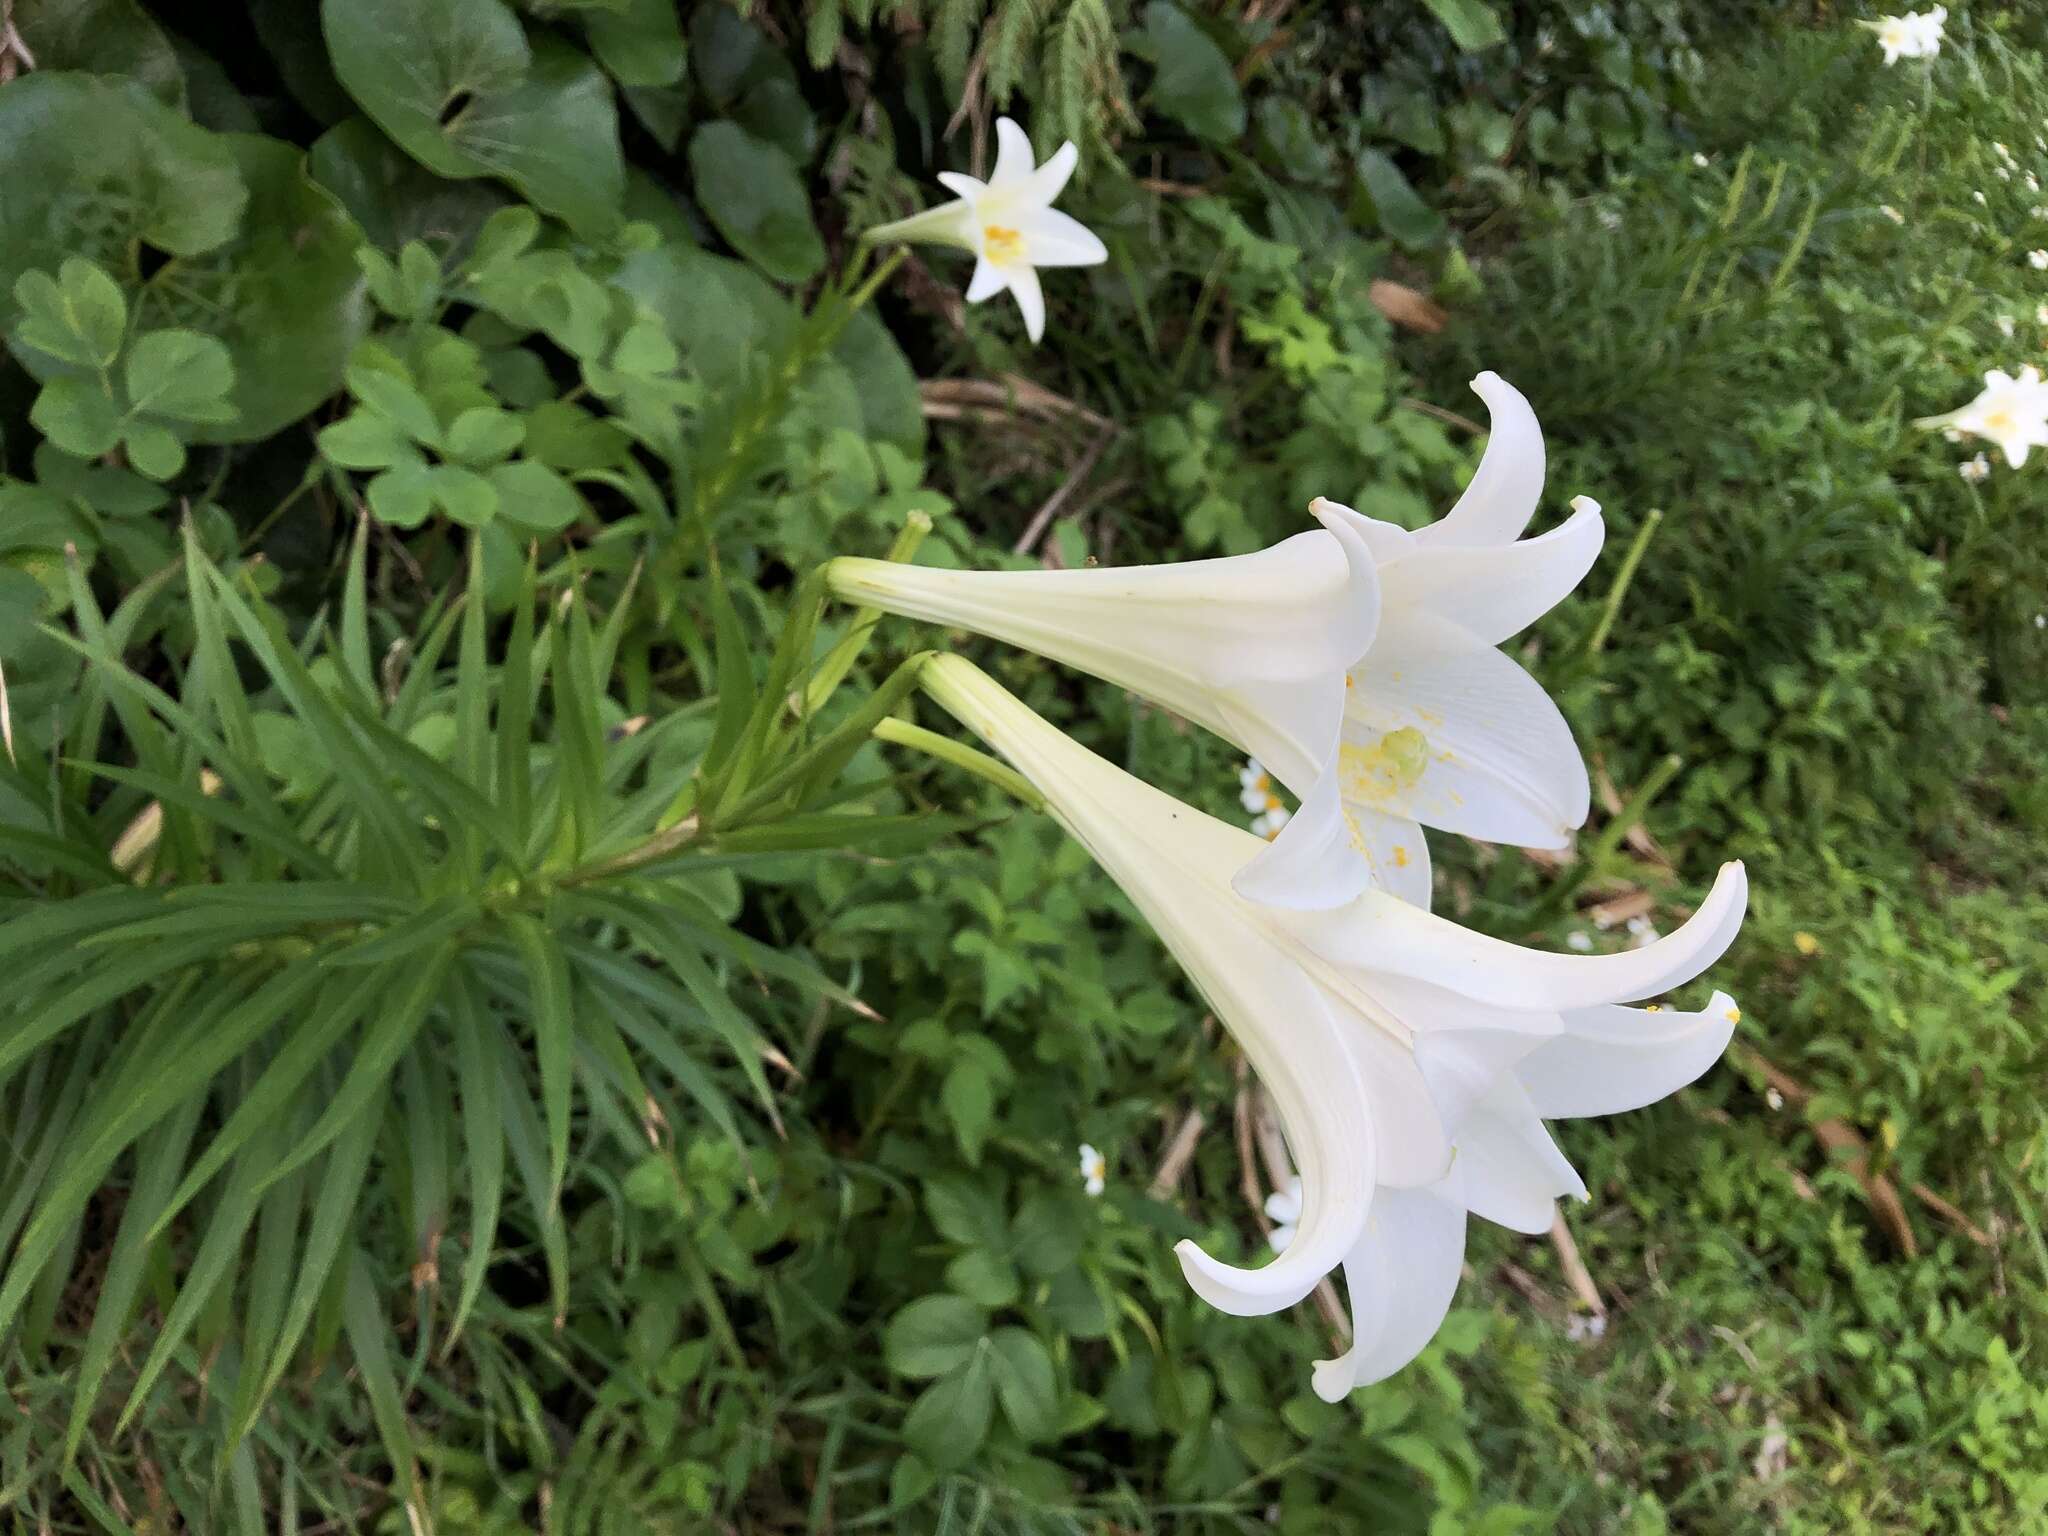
(1014, 158)
(1509, 1169)
(1050, 179)
(1502, 497)
(1401, 1278)
(1379, 933)
(1482, 749)
(947, 224)
(1030, 297)
(964, 187)
(1497, 590)
(1610, 1060)
(988, 281)
(1052, 239)
(1315, 861)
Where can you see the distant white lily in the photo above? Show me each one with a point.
(1094, 1170)
(2010, 411)
(1412, 1062)
(1915, 35)
(1357, 664)
(1009, 223)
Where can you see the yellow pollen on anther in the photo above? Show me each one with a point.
(1654, 1008)
(1734, 1015)
(1004, 247)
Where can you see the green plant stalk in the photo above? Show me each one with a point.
(1603, 847)
(903, 734)
(1611, 609)
(839, 660)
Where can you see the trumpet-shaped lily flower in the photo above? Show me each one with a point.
(1009, 223)
(2011, 411)
(1915, 35)
(1358, 664)
(1413, 1062)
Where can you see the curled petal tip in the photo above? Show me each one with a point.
(1585, 504)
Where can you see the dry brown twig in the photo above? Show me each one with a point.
(1042, 518)
(1576, 1275)
(1837, 1136)
(1180, 1151)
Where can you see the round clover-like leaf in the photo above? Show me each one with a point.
(461, 89)
(114, 37)
(949, 1421)
(534, 496)
(933, 1335)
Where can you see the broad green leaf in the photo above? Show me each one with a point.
(949, 1420)
(394, 198)
(969, 1100)
(640, 43)
(933, 1335)
(1400, 211)
(182, 375)
(158, 181)
(1025, 1383)
(78, 316)
(459, 86)
(1473, 24)
(78, 416)
(110, 37)
(750, 189)
(285, 295)
(1192, 80)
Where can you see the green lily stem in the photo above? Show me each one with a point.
(867, 290)
(657, 847)
(1611, 609)
(839, 660)
(903, 734)
(1603, 847)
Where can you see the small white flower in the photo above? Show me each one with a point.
(1977, 197)
(1975, 469)
(2002, 152)
(1915, 35)
(1642, 932)
(1951, 434)
(2041, 314)
(1094, 1167)
(1585, 1327)
(2040, 210)
(1610, 219)
(1699, 160)
(1892, 213)
(1283, 1209)
(1774, 1098)
(2033, 182)
(1009, 223)
(2005, 326)
(2041, 621)
(2011, 411)
(1580, 940)
(1268, 823)
(2038, 260)
(2004, 173)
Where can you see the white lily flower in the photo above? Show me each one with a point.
(1094, 1170)
(2011, 411)
(1413, 1063)
(1915, 35)
(1009, 223)
(1891, 213)
(2038, 260)
(1357, 664)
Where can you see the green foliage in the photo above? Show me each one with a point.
(494, 1044)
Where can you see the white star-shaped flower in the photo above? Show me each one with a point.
(1009, 223)
(1094, 1169)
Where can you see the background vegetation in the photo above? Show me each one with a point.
(418, 424)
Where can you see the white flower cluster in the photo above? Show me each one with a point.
(1413, 1062)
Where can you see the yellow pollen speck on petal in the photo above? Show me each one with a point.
(1004, 247)
(1381, 771)
(1400, 857)
(1734, 1015)
(1805, 943)
(1654, 1008)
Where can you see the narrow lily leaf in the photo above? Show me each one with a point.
(735, 684)
(529, 1157)
(689, 1074)
(472, 697)
(514, 781)
(355, 614)
(340, 1183)
(579, 733)
(213, 660)
(157, 1162)
(369, 1072)
(553, 1034)
(477, 1038)
(422, 1087)
(368, 1332)
(266, 1283)
(423, 667)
